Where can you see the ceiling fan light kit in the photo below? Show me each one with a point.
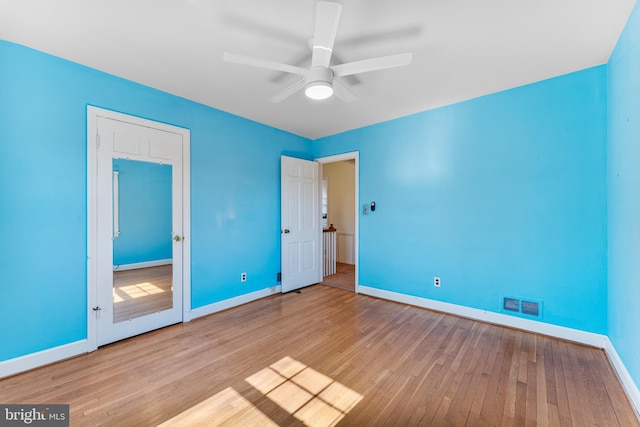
(320, 79)
(318, 90)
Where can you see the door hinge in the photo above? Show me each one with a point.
(97, 141)
(97, 310)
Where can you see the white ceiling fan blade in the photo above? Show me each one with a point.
(342, 93)
(372, 64)
(262, 63)
(326, 27)
(299, 85)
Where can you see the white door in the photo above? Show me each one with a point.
(300, 224)
(138, 262)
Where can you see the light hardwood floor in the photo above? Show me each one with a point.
(345, 277)
(325, 357)
(141, 291)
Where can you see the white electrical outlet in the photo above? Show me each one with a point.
(243, 277)
(436, 282)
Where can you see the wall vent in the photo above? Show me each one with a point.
(521, 307)
(531, 308)
(511, 304)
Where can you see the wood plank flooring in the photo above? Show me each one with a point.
(345, 277)
(142, 291)
(330, 357)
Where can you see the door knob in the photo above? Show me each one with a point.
(286, 231)
(177, 238)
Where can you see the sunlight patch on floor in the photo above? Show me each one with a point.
(227, 407)
(306, 394)
(136, 290)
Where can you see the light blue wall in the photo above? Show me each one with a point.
(235, 177)
(624, 196)
(504, 195)
(144, 211)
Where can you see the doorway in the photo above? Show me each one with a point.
(138, 184)
(340, 204)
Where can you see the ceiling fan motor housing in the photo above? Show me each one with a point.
(318, 74)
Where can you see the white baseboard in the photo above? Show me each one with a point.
(231, 302)
(588, 338)
(40, 358)
(628, 384)
(146, 264)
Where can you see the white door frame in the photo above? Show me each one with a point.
(92, 207)
(353, 155)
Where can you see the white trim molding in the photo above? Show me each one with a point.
(629, 386)
(35, 360)
(355, 156)
(232, 302)
(569, 334)
(146, 264)
(93, 113)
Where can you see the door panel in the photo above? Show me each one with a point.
(309, 253)
(138, 289)
(301, 229)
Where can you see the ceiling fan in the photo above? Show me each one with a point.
(321, 80)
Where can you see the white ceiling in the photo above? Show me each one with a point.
(462, 49)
